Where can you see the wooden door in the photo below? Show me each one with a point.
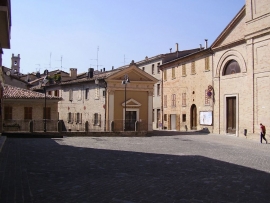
(193, 117)
(131, 117)
(231, 115)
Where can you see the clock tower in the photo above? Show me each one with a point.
(15, 64)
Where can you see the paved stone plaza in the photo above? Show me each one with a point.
(178, 168)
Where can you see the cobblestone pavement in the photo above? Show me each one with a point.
(178, 168)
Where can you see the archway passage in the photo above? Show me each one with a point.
(193, 117)
(231, 115)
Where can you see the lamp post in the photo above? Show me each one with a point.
(125, 82)
(45, 81)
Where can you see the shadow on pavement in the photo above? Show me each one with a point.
(173, 133)
(41, 170)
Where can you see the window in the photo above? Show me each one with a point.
(28, 113)
(207, 98)
(8, 113)
(173, 72)
(207, 66)
(56, 93)
(173, 100)
(78, 117)
(184, 99)
(158, 89)
(165, 117)
(47, 112)
(231, 67)
(165, 101)
(104, 93)
(193, 71)
(184, 72)
(70, 117)
(165, 74)
(97, 119)
(70, 95)
(153, 69)
(87, 93)
(184, 117)
(158, 69)
(153, 116)
(49, 92)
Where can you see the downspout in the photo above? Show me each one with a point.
(105, 115)
(162, 114)
(253, 126)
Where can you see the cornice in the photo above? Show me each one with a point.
(230, 45)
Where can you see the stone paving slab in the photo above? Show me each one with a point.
(179, 168)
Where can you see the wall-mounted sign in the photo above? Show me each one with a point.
(206, 117)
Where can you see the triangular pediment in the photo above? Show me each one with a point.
(235, 31)
(132, 103)
(134, 74)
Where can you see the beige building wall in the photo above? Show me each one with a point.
(190, 82)
(251, 85)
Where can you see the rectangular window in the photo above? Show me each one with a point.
(56, 93)
(158, 69)
(46, 113)
(165, 74)
(97, 119)
(49, 92)
(158, 89)
(153, 116)
(8, 113)
(173, 72)
(153, 69)
(70, 95)
(184, 117)
(173, 100)
(184, 99)
(193, 70)
(165, 117)
(70, 117)
(207, 98)
(78, 117)
(27, 113)
(184, 72)
(207, 66)
(104, 93)
(87, 93)
(165, 101)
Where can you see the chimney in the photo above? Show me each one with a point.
(206, 45)
(170, 50)
(73, 73)
(103, 69)
(200, 46)
(90, 72)
(112, 67)
(176, 47)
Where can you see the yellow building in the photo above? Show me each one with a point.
(129, 100)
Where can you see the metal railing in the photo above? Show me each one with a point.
(65, 126)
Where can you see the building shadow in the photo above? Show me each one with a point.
(41, 170)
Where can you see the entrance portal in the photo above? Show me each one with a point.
(131, 118)
(193, 117)
(231, 115)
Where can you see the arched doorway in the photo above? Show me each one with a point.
(193, 117)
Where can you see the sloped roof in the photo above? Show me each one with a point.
(11, 92)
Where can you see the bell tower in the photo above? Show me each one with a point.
(15, 64)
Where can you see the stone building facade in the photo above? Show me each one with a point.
(241, 72)
(187, 92)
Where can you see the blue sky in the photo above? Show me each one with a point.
(112, 31)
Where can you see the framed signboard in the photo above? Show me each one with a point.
(206, 117)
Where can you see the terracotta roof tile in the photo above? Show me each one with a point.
(11, 92)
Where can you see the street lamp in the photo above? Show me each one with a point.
(45, 81)
(125, 82)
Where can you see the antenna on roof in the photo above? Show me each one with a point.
(125, 60)
(96, 59)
